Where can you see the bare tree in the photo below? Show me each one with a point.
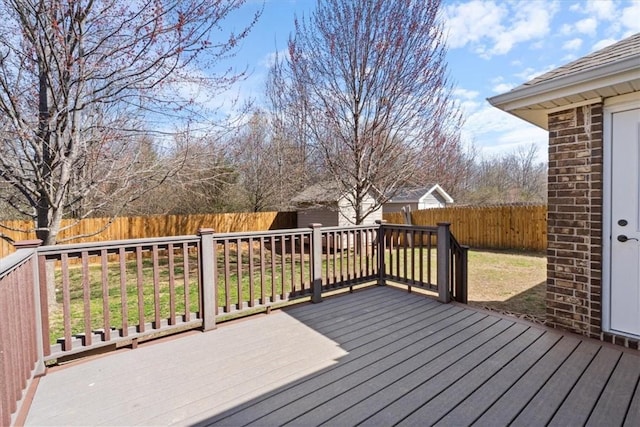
(515, 177)
(371, 79)
(448, 163)
(80, 80)
(294, 163)
(257, 164)
(530, 174)
(204, 183)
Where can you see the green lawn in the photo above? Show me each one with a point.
(292, 272)
(508, 281)
(504, 281)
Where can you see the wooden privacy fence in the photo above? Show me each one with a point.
(139, 227)
(490, 227)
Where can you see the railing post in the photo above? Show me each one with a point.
(33, 244)
(462, 280)
(382, 248)
(444, 250)
(208, 285)
(316, 262)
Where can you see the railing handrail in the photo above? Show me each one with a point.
(350, 228)
(132, 243)
(411, 227)
(258, 234)
(115, 244)
(14, 260)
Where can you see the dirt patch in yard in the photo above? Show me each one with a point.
(508, 282)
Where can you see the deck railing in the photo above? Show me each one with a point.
(76, 298)
(425, 257)
(97, 294)
(21, 353)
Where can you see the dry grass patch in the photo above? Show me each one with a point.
(508, 281)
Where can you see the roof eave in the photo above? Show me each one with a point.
(523, 102)
(447, 198)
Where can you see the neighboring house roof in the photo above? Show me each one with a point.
(611, 71)
(414, 195)
(321, 193)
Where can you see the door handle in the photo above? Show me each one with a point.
(622, 238)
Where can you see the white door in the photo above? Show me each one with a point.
(625, 222)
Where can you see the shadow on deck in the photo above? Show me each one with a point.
(379, 356)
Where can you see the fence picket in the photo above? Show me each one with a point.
(492, 227)
(126, 228)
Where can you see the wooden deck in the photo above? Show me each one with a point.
(376, 357)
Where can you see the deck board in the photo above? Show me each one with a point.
(585, 394)
(514, 399)
(357, 404)
(548, 399)
(378, 356)
(339, 396)
(616, 397)
(498, 385)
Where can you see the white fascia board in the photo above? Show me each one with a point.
(443, 193)
(590, 79)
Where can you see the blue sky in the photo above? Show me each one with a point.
(493, 46)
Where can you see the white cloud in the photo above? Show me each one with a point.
(587, 26)
(566, 29)
(503, 87)
(530, 73)
(472, 21)
(495, 132)
(573, 44)
(601, 9)
(465, 93)
(494, 29)
(631, 17)
(269, 59)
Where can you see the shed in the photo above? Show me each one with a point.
(591, 108)
(327, 204)
(427, 197)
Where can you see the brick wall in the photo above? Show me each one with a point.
(574, 269)
(574, 249)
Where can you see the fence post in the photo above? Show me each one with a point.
(316, 262)
(33, 244)
(208, 285)
(382, 247)
(443, 262)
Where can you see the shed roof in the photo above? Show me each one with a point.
(320, 193)
(611, 71)
(414, 194)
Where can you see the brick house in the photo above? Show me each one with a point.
(591, 108)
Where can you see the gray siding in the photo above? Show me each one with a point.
(325, 216)
(432, 200)
(331, 217)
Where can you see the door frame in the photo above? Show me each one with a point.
(611, 105)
